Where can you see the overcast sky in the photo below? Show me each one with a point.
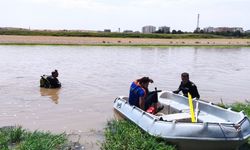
(123, 14)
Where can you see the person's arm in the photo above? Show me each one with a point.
(194, 91)
(141, 103)
(178, 90)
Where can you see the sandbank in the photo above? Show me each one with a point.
(62, 40)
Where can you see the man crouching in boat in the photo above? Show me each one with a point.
(50, 81)
(139, 95)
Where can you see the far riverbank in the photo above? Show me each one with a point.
(62, 40)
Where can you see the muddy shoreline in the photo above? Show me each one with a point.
(59, 40)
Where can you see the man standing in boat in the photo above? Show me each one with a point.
(139, 94)
(187, 86)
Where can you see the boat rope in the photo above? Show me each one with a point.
(231, 127)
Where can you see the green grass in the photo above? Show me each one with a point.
(18, 138)
(242, 106)
(238, 106)
(124, 135)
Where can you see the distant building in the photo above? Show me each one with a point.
(107, 30)
(164, 29)
(238, 29)
(12, 28)
(128, 31)
(247, 31)
(227, 29)
(148, 29)
(209, 29)
(223, 29)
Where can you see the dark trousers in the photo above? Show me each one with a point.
(150, 99)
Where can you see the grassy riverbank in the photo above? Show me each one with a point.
(245, 107)
(78, 33)
(20, 139)
(124, 135)
(71, 37)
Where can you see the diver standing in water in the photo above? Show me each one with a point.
(50, 81)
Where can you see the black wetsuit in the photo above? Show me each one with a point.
(54, 82)
(188, 87)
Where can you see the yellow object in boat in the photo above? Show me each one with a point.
(191, 106)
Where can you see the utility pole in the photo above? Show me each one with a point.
(198, 22)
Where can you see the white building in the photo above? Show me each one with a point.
(209, 29)
(164, 29)
(237, 29)
(223, 29)
(148, 29)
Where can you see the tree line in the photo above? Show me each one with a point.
(227, 33)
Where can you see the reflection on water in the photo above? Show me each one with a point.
(93, 77)
(53, 94)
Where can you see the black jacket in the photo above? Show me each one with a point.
(188, 87)
(54, 82)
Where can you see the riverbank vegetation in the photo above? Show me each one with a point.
(20, 139)
(105, 34)
(124, 135)
(245, 107)
(72, 33)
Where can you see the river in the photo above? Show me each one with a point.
(92, 77)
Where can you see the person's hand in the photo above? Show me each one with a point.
(175, 92)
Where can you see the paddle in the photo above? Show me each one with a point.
(190, 100)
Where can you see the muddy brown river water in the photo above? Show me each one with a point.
(92, 77)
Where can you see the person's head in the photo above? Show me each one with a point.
(144, 81)
(54, 73)
(185, 77)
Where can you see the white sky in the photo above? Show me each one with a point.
(129, 14)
